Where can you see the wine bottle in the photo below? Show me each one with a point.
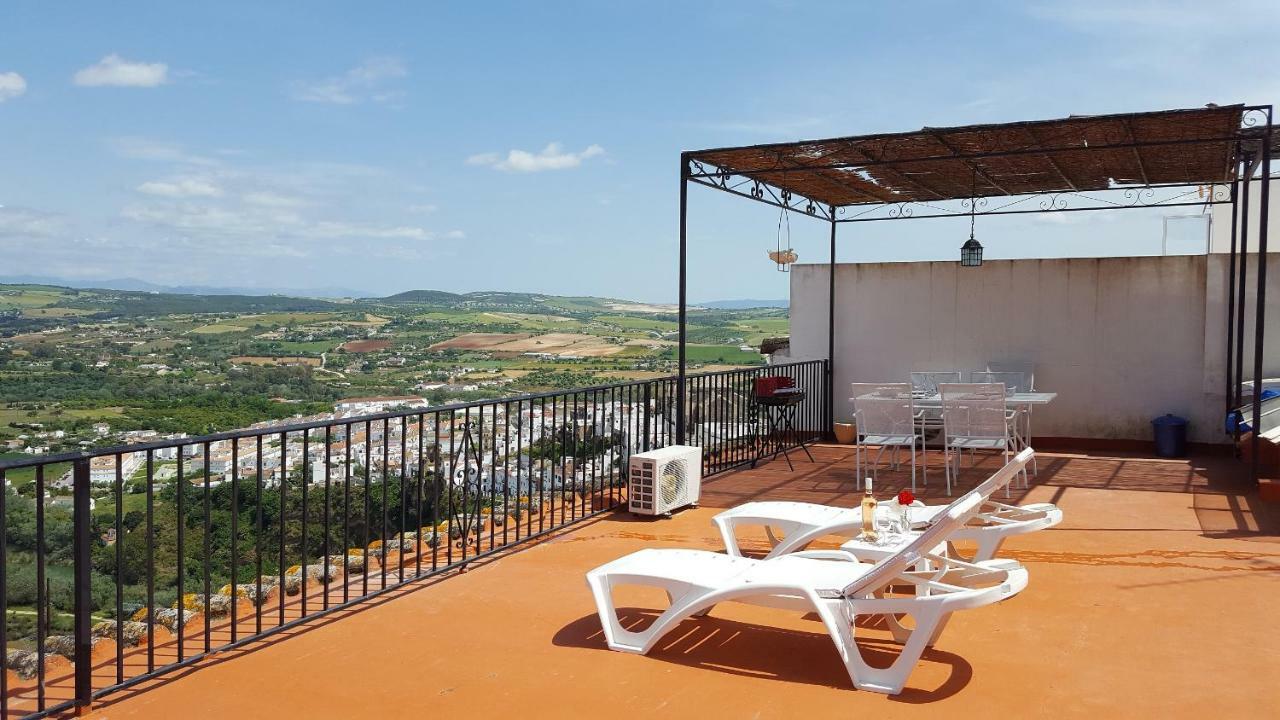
(868, 515)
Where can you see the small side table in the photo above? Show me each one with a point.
(780, 412)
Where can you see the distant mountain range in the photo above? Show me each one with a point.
(411, 296)
(744, 304)
(136, 285)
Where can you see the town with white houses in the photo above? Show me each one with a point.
(486, 447)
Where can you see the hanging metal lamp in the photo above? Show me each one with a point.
(971, 250)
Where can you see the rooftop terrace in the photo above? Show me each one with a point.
(1155, 597)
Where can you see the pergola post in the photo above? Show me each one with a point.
(1231, 300)
(1259, 327)
(831, 332)
(684, 310)
(1244, 274)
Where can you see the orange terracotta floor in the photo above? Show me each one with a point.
(1156, 597)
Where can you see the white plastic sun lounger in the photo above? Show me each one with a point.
(791, 526)
(830, 583)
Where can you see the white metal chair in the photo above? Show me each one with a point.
(926, 382)
(1015, 381)
(974, 417)
(884, 415)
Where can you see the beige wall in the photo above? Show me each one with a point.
(1121, 340)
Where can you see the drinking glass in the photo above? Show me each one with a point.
(886, 526)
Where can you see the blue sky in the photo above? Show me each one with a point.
(534, 146)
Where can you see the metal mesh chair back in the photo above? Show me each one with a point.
(1014, 382)
(926, 383)
(884, 408)
(1027, 369)
(974, 410)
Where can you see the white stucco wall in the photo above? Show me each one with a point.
(1220, 232)
(1121, 340)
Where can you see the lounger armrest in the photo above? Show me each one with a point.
(840, 555)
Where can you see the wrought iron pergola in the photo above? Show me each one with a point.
(1171, 158)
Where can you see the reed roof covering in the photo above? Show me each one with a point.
(1077, 153)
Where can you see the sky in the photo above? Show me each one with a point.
(389, 146)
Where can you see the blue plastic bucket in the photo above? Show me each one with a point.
(1171, 436)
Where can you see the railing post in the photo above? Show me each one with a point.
(82, 567)
(646, 400)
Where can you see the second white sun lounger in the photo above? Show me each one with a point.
(791, 526)
(830, 583)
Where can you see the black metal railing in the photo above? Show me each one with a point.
(123, 563)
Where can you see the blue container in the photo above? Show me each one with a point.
(1235, 417)
(1171, 436)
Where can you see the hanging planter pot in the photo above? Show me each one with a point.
(783, 256)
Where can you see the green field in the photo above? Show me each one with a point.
(716, 354)
(639, 322)
(27, 296)
(218, 328)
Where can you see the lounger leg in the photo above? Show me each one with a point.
(686, 604)
(729, 534)
(839, 621)
(988, 545)
(937, 631)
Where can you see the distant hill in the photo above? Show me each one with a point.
(744, 304)
(423, 296)
(131, 297)
(136, 285)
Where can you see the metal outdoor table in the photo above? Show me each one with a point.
(1021, 400)
(780, 412)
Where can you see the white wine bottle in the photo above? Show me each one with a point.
(868, 515)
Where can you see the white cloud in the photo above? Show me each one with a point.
(552, 157)
(365, 81)
(488, 158)
(181, 187)
(12, 85)
(115, 71)
(342, 230)
(19, 222)
(138, 148)
(270, 199)
(253, 223)
(423, 209)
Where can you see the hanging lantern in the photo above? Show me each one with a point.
(971, 250)
(783, 255)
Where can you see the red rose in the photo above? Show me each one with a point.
(906, 498)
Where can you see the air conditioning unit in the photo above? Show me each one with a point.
(663, 480)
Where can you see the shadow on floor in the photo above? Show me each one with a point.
(1226, 505)
(760, 651)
